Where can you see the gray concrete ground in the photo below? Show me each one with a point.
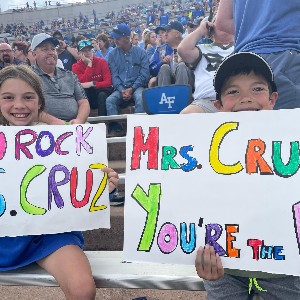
(53, 293)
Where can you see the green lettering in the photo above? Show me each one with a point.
(167, 161)
(29, 176)
(289, 169)
(150, 203)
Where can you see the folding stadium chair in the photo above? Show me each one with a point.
(170, 99)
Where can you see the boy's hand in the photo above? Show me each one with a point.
(113, 178)
(208, 264)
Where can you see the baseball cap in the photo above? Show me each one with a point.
(175, 25)
(242, 60)
(120, 30)
(158, 28)
(137, 30)
(83, 44)
(43, 37)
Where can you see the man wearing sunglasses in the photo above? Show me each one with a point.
(66, 100)
(130, 72)
(95, 77)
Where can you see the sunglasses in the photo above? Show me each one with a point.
(85, 44)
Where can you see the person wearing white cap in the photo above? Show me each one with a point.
(66, 100)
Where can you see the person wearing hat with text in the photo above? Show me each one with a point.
(166, 65)
(130, 72)
(95, 77)
(65, 98)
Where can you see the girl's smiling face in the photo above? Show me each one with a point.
(19, 103)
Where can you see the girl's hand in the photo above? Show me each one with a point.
(113, 178)
(208, 264)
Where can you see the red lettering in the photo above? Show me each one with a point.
(139, 146)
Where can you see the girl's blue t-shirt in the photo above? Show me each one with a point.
(267, 26)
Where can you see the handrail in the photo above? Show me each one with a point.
(109, 118)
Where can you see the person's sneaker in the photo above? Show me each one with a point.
(115, 126)
(115, 129)
(117, 199)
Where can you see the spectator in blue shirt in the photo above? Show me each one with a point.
(130, 72)
(163, 18)
(150, 18)
(183, 18)
(198, 12)
(104, 46)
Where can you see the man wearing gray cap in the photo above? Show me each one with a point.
(66, 100)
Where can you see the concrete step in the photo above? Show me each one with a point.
(116, 151)
(118, 165)
(107, 239)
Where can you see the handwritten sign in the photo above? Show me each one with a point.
(50, 179)
(230, 180)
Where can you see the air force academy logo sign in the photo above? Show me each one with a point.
(167, 100)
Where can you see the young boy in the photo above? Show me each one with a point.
(244, 81)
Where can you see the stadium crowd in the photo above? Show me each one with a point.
(139, 41)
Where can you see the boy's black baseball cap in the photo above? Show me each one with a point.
(241, 60)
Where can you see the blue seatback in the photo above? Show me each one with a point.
(170, 99)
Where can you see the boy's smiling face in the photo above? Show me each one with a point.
(245, 92)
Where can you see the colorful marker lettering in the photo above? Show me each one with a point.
(215, 146)
(100, 189)
(29, 176)
(151, 145)
(81, 140)
(167, 239)
(150, 203)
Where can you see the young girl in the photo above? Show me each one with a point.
(61, 254)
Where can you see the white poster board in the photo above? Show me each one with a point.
(228, 179)
(50, 179)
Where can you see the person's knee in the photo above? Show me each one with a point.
(190, 109)
(82, 288)
(111, 100)
(164, 68)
